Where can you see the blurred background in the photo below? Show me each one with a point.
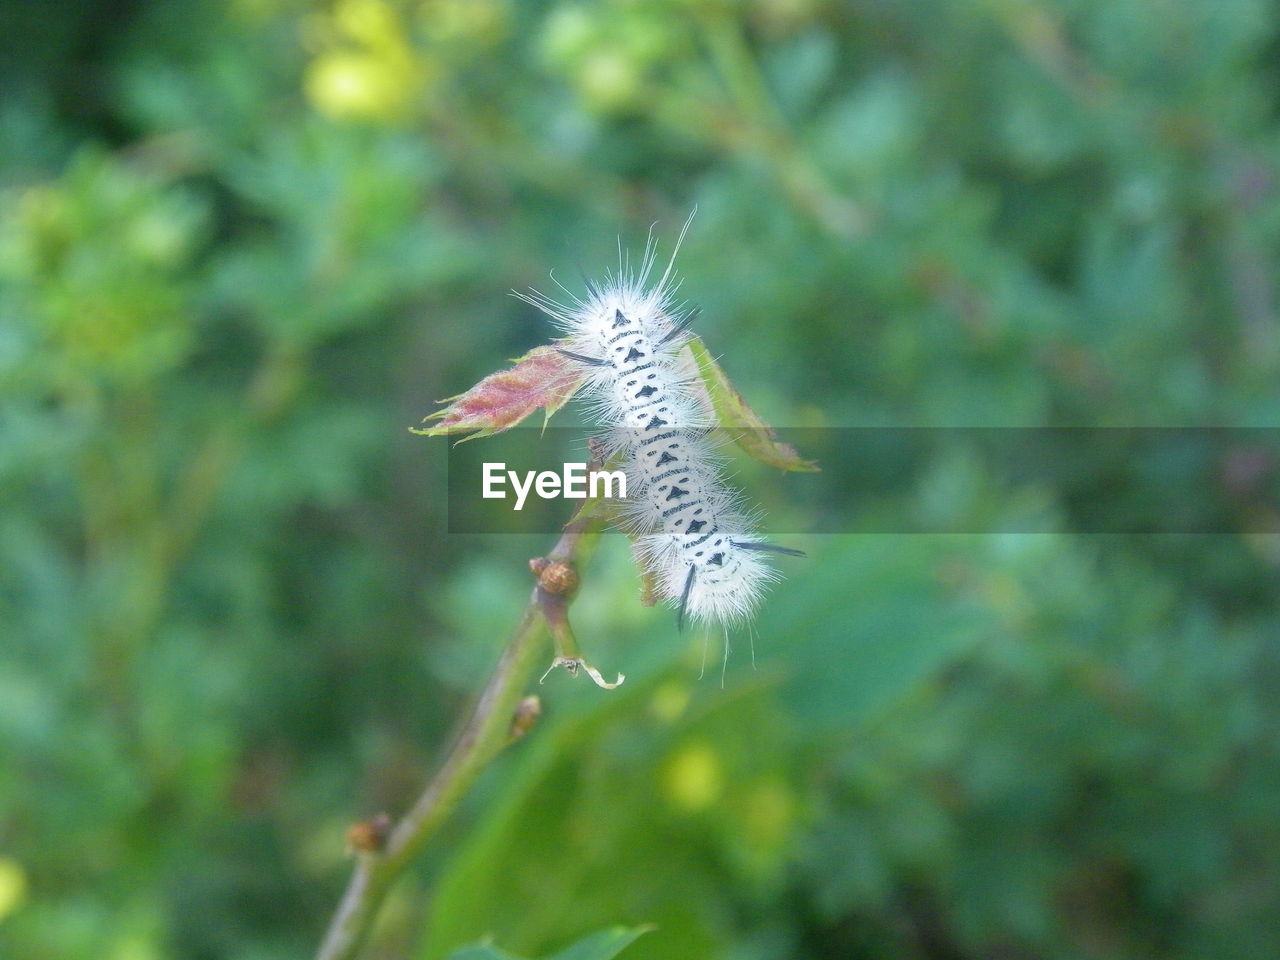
(245, 244)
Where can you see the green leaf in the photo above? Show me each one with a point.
(849, 659)
(482, 951)
(750, 432)
(602, 945)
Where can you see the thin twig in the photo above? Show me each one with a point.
(487, 731)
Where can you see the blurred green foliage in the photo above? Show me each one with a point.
(245, 243)
(601, 946)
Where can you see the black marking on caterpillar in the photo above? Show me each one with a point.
(768, 547)
(684, 597)
(593, 361)
(681, 325)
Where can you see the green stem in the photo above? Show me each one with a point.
(487, 731)
(482, 738)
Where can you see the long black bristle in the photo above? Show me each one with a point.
(593, 361)
(681, 325)
(684, 597)
(768, 547)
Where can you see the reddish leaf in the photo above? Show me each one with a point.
(542, 378)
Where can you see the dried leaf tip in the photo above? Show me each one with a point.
(574, 664)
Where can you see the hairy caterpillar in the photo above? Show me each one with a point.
(692, 536)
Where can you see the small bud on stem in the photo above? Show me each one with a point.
(526, 715)
(369, 836)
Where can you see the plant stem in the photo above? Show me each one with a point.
(487, 731)
(766, 133)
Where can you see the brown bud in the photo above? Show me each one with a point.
(526, 715)
(558, 577)
(369, 836)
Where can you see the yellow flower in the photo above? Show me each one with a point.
(669, 701)
(694, 778)
(609, 82)
(13, 886)
(361, 86)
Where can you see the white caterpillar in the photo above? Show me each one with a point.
(691, 536)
